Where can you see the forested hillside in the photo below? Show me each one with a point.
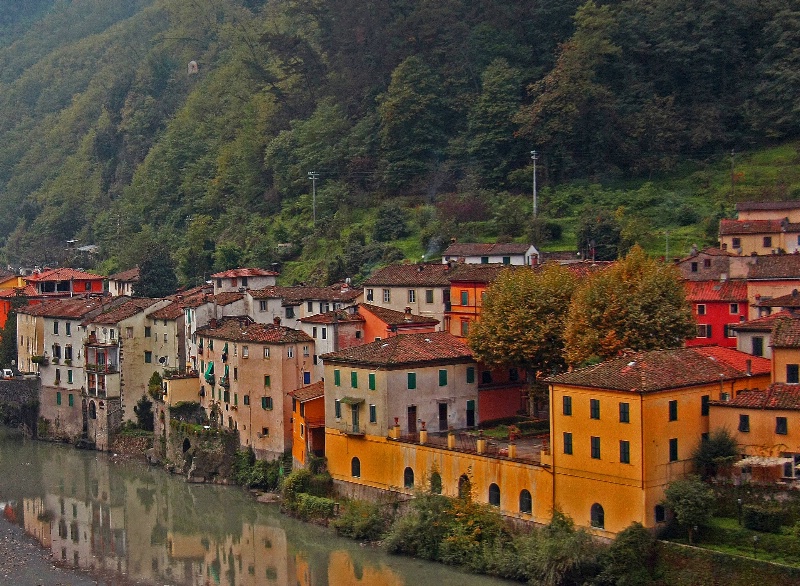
(417, 116)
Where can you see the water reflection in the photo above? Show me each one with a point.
(126, 519)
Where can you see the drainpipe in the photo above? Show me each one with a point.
(552, 451)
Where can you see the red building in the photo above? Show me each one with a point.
(717, 307)
(65, 282)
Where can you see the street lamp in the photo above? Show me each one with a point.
(313, 175)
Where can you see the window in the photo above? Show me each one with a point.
(371, 381)
(112, 334)
(673, 410)
(129, 333)
(465, 298)
(266, 403)
(412, 296)
(484, 260)
(744, 423)
(306, 352)
(567, 442)
(736, 242)
(262, 305)
(729, 331)
(701, 309)
(148, 357)
(661, 514)
(324, 333)
(598, 516)
(68, 328)
(55, 328)
(624, 452)
(373, 414)
(290, 313)
(465, 327)
(494, 495)
(246, 399)
(442, 377)
(595, 447)
(387, 296)
(314, 332)
(71, 398)
(370, 294)
(470, 374)
(566, 405)
(486, 377)
(337, 408)
(506, 260)
(513, 375)
(704, 405)
(706, 263)
(58, 397)
(354, 379)
(266, 351)
(265, 432)
(245, 352)
(624, 412)
(56, 351)
(310, 306)
(165, 337)
(781, 425)
(267, 380)
(355, 468)
(525, 502)
(290, 352)
(594, 408)
(235, 373)
(734, 308)
(408, 477)
(69, 379)
(428, 295)
(67, 352)
(758, 346)
(703, 330)
(337, 377)
(673, 449)
(792, 373)
(412, 380)
(694, 267)
(767, 241)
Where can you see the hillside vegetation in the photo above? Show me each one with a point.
(418, 118)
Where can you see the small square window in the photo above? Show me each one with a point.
(736, 242)
(266, 403)
(703, 330)
(744, 423)
(265, 432)
(734, 308)
(706, 263)
(701, 309)
(246, 399)
(767, 241)
(781, 426)
(694, 267)
(793, 373)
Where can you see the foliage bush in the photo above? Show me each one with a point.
(252, 473)
(630, 560)
(363, 521)
(716, 452)
(313, 508)
(767, 518)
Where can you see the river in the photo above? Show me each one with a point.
(133, 524)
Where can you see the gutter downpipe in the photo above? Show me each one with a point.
(552, 449)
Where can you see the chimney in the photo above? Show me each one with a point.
(749, 368)
(407, 316)
(213, 322)
(723, 277)
(276, 320)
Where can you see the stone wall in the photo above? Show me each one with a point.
(133, 446)
(19, 404)
(202, 455)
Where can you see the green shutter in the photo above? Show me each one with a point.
(266, 380)
(412, 380)
(71, 400)
(470, 374)
(58, 397)
(354, 379)
(371, 381)
(337, 377)
(235, 399)
(263, 402)
(442, 378)
(338, 409)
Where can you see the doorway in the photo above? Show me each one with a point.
(412, 419)
(442, 416)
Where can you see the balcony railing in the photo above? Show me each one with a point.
(351, 429)
(104, 368)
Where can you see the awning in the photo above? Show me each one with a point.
(351, 400)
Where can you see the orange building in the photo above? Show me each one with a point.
(622, 430)
(65, 281)
(381, 322)
(468, 285)
(308, 423)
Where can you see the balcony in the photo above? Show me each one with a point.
(351, 429)
(103, 368)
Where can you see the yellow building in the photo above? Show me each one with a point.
(622, 430)
(762, 228)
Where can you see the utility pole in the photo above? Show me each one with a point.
(313, 175)
(535, 157)
(666, 252)
(733, 175)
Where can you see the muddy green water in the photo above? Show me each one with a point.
(135, 524)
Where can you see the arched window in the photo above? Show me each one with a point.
(494, 495)
(408, 478)
(355, 468)
(525, 502)
(436, 483)
(92, 410)
(598, 516)
(464, 487)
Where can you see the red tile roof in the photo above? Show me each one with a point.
(27, 291)
(70, 308)
(338, 316)
(193, 297)
(705, 291)
(763, 324)
(776, 396)
(298, 294)
(581, 268)
(244, 329)
(744, 206)
(731, 227)
(63, 274)
(484, 273)
(244, 272)
(405, 350)
(397, 318)
(774, 267)
(309, 393)
(228, 297)
(129, 276)
(127, 308)
(485, 249)
(790, 301)
(786, 333)
(657, 370)
(411, 275)
(710, 251)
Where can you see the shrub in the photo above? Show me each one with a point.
(766, 518)
(320, 484)
(314, 508)
(714, 453)
(362, 520)
(631, 559)
(293, 485)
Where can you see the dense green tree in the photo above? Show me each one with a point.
(715, 453)
(8, 336)
(630, 560)
(637, 303)
(692, 502)
(144, 413)
(156, 275)
(599, 234)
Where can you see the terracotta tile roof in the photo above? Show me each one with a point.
(228, 297)
(786, 333)
(171, 312)
(244, 272)
(581, 268)
(74, 308)
(63, 274)
(731, 227)
(298, 294)
(27, 291)
(244, 329)
(338, 316)
(776, 396)
(405, 350)
(657, 370)
(411, 275)
(484, 273)
(128, 308)
(744, 206)
(775, 266)
(710, 251)
(193, 297)
(790, 301)
(129, 276)
(763, 324)
(704, 291)
(485, 249)
(397, 318)
(313, 391)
